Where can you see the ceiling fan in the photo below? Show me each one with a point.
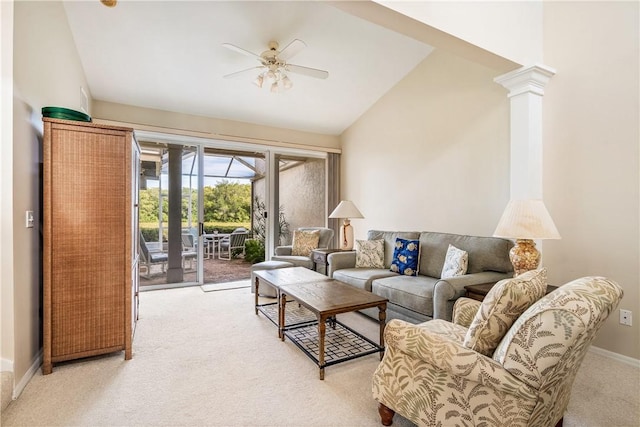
(274, 66)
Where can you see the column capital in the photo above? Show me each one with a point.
(531, 79)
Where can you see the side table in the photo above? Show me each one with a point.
(478, 292)
(321, 257)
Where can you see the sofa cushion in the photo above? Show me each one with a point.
(504, 303)
(405, 257)
(370, 253)
(361, 277)
(485, 253)
(455, 263)
(413, 293)
(304, 241)
(389, 238)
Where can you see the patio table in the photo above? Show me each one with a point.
(210, 242)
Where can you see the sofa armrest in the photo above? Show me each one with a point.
(447, 290)
(283, 250)
(340, 260)
(435, 344)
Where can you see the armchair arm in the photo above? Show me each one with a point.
(435, 343)
(340, 260)
(283, 250)
(451, 289)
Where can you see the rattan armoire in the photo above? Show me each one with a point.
(90, 225)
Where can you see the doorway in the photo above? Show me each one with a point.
(210, 205)
(205, 207)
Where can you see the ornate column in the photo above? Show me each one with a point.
(526, 88)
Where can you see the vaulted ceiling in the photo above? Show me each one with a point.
(168, 55)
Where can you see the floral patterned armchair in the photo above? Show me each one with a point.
(431, 378)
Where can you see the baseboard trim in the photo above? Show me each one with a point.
(616, 356)
(19, 387)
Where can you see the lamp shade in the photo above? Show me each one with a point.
(526, 219)
(346, 209)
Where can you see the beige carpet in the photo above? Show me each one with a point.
(205, 359)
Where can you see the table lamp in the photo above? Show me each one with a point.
(525, 220)
(346, 210)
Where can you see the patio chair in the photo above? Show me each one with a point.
(233, 243)
(148, 257)
(189, 249)
(285, 253)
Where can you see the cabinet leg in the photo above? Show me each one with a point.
(47, 368)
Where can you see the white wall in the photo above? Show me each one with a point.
(511, 29)
(46, 71)
(208, 127)
(591, 173)
(433, 153)
(6, 200)
(591, 152)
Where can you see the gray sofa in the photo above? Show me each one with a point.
(425, 296)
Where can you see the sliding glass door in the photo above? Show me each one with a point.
(210, 209)
(169, 200)
(233, 222)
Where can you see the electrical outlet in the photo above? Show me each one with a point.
(625, 317)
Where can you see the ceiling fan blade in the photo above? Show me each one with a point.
(311, 72)
(237, 73)
(291, 50)
(242, 51)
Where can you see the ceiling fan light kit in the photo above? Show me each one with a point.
(274, 66)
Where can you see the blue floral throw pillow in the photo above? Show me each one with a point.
(405, 257)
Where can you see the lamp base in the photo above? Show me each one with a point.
(346, 236)
(524, 256)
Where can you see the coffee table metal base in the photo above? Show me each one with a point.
(341, 343)
(294, 317)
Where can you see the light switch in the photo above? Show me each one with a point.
(29, 219)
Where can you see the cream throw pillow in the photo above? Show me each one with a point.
(304, 241)
(455, 263)
(370, 253)
(504, 303)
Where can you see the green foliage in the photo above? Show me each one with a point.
(149, 234)
(227, 202)
(149, 203)
(254, 251)
(260, 222)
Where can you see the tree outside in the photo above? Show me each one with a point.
(227, 205)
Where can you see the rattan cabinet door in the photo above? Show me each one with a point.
(87, 241)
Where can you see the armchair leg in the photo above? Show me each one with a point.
(386, 414)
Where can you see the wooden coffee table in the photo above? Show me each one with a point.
(326, 299)
(281, 277)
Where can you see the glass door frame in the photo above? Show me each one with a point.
(270, 153)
